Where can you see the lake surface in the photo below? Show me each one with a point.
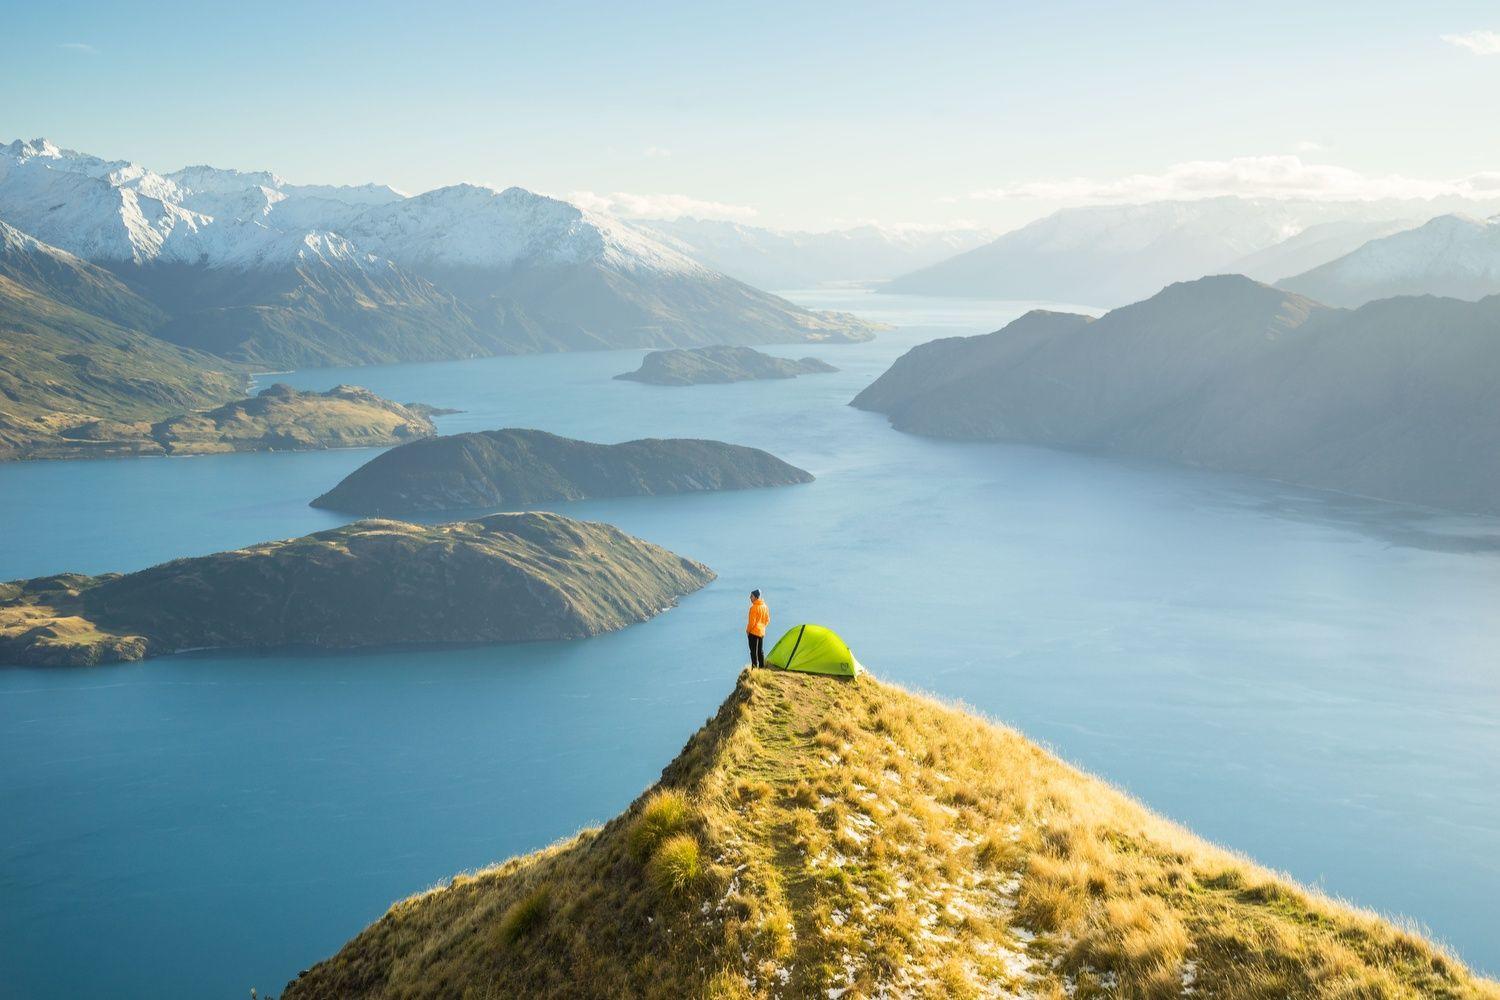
(1311, 679)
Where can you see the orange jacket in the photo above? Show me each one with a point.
(760, 617)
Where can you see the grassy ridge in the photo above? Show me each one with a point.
(827, 839)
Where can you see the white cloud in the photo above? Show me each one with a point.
(79, 47)
(1246, 176)
(656, 152)
(658, 206)
(1481, 43)
(1310, 146)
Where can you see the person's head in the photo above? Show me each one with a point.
(754, 595)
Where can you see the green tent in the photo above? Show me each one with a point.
(813, 649)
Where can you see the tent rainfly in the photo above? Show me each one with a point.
(813, 649)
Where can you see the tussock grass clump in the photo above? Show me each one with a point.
(524, 915)
(664, 814)
(676, 867)
(820, 838)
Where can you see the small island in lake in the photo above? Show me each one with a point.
(515, 467)
(279, 418)
(507, 577)
(704, 365)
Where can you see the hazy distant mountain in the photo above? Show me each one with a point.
(1315, 245)
(1111, 254)
(1399, 399)
(256, 269)
(771, 259)
(1451, 255)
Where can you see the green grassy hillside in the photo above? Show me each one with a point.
(822, 838)
(62, 368)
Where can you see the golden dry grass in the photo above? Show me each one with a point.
(854, 840)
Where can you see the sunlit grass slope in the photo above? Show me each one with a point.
(835, 839)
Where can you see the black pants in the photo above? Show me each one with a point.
(757, 649)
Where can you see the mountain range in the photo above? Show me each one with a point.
(1109, 255)
(1398, 399)
(248, 267)
(1452, 255)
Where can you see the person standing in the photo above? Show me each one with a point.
(755, 629)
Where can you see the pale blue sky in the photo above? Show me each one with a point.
(803, 114)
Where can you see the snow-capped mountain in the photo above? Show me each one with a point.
(468, 226)
(1112, 254)
(241, 194)
(1452, 255)
(258, 269)
(99, 210)
(1317, 244)
(768, 258)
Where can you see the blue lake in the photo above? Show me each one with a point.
(1308, 678)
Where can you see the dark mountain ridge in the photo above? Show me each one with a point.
(1399, 399)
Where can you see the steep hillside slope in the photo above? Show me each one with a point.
(833, 839)
(1451, 255)
(306, 301)
(705, 365)
(505, 578)
(62, 368)
(72, 281)
(517, 467)
(1399, 399)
